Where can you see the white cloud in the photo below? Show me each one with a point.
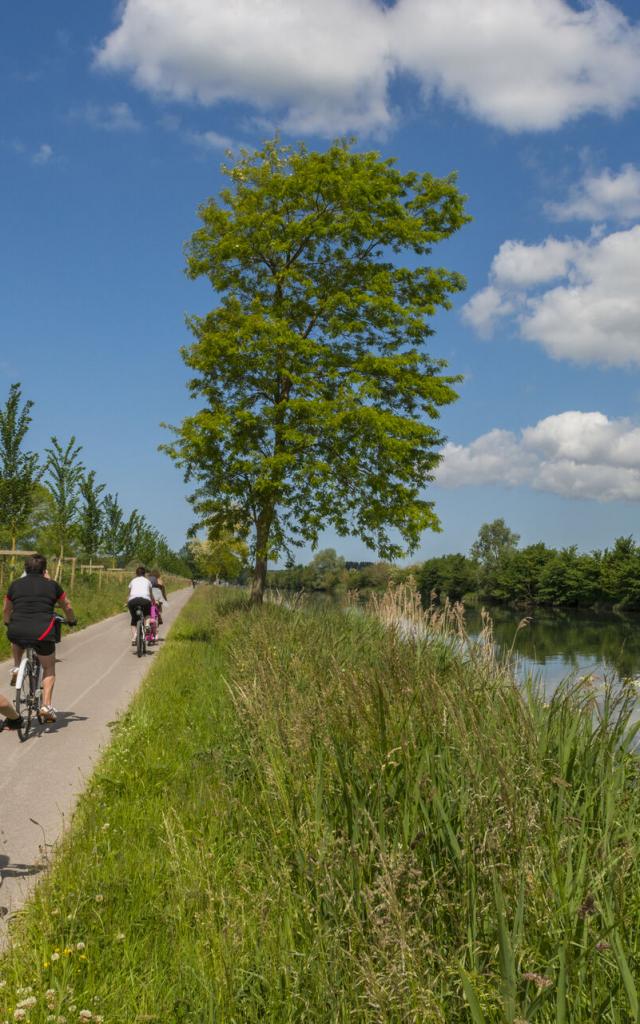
(43, 154)
(604, 196)
(520, 265)
(530, 64)
(325, 67)
(592, 315)
(206, 141)
(209, 140)
(493, 458)
(118, 117)
(325, 64)
(485, 308)
(573, 454)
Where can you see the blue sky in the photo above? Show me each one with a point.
(115, 118)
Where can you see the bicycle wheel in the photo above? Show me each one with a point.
(25, 701)
(140, 642)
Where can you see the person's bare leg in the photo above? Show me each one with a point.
(7, 709)
(17, 652)
(48, 662)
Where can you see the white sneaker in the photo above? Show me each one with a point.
(47, 714)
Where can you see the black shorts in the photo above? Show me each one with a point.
(39, 646)
(138, 602)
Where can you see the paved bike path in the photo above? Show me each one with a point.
(40, 780)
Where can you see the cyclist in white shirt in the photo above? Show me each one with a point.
(140, 596)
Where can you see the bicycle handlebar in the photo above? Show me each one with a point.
(65, 622)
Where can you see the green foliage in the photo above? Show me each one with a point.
(326, 571)
(91, 515)
(493, 541)
(341, 826)
(223, 557)
(65, 514)
(450, 576)
(64, 473)
(317, 393)
(18, 468)
(114, 534)
(500, 572)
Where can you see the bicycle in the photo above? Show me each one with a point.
(144, 633)
(28, 698)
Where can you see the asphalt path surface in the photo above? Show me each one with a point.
(97, 673)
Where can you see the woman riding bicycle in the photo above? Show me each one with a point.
(29, 614)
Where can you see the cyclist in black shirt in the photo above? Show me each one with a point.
(29, 614)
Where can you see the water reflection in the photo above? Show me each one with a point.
(556, 644)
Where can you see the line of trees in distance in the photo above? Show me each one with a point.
(54, 502)
(495, 571)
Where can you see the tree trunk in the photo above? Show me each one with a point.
(259, 580)
(263, 528)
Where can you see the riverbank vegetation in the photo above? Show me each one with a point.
(496, 571)
(325, 821)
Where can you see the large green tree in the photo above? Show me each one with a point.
(318, 397)
(18, 467)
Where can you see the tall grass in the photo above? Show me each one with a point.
(307, 818)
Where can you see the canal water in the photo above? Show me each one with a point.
(556, 644)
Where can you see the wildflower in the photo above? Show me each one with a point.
(55, 956)
(27, 1003)
(19, 1014)
(539, 979)
(80, 946)
(603, 945)
(2, 984)
(45, 964)
(82, 957)
(588, 907)
(106, 826)
(99, 898)
(85, 1015)
(120, 937)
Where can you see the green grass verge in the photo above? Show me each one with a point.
(92, 602)
(302, 819)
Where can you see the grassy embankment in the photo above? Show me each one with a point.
(305, 819)
(93, 601)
